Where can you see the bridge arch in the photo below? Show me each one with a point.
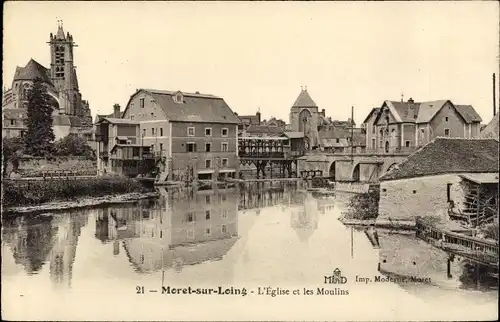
(390, 167)
(332, 170)
(355, 173)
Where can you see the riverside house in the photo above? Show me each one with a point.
(194, 135)
(399, 126)
(119, 149)
(448, 177)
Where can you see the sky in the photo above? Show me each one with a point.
(258, 55)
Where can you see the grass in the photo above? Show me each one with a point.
(18, 193)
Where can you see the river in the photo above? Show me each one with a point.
(111, 263)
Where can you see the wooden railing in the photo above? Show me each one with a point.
(476, 249)
(57, 174)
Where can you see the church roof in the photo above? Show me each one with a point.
(60, 33)
(304, 100)
(32, 70)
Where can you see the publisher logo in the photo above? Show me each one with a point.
(335, 278)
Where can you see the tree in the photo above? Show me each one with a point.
(72, 144)
(40, 135)
(11, 148)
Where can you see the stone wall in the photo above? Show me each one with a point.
(33, 166)
(405, 199)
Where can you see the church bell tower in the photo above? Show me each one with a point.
(62, 69)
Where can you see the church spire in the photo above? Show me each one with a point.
(60, 30)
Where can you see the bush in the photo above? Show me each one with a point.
(19, 193)
(72, 145)
(363, 206)
(490, 231)
(12, 148)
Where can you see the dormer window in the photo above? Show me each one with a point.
(178, 98)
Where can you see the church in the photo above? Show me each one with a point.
(71, 113)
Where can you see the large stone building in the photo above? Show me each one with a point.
(306, 118)
(433, 180)
(396, 126)
(71, 113)
(196, 134)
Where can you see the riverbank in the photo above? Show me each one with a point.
(88, 202)
(18, 193)
(390, 224)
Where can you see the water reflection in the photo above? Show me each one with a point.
(262, 234)
(36, 240)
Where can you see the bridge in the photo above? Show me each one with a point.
(359, 166)
(280, 153)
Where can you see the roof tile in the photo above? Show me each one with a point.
(462, 156)
(195, 107)
(304, 100)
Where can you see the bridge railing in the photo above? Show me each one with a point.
(360, 151)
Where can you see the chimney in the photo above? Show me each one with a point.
(323, 112)
(494, 96)
(411, 101)
(258, 117)
(116, 111)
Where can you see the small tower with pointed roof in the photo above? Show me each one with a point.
(305, 117)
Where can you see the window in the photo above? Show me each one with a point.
(191, 147)
(141, 102)
(448, 192)
(407, 144)
(12, 122)
(373, 128)
(224, 132)
(208, 131)
(224, 229)
(161, 147)
(207, 215)
(373, 143)
(153, 132)
(207, 200)
(224, 146)
(143, 132)
(337, 140)
(161, 131)
(208, 164)
(223, 197)
(131, 116)
(190, 131)
(190, 217)
(446, 132)
(178, 98)
(224, 214)
(224, 162)
(190, 233)
(135, 152)
(208, 147)
(446, 119)
(207, 231)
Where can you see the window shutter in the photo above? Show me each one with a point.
(187, 147)
(194, 149)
